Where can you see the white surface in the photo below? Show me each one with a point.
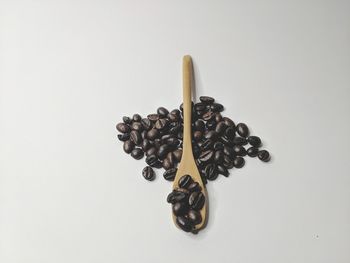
(71, 69)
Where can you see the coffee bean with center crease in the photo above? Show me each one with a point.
(128, 146)
(226, 141)
(184, 223)
(126, 120)
(152, 134)
(180, 209)
(228, 162)
(122, 127)
(161, 124)
(185, 181)
(199, 106)
(173, 117)
(145, 145)
(194, 187)
(206, 156)
(196, 200)
(252, 151)
(238, 162)
(219, 156)
(146, 123)
(217, 107)
(153, 161)
(218, 146)
(229, 151)
(144, 134)
(170, 174)
(228, 122)
(239, 150)
(208, 116)
(254, 141)
(222, 170)
(153, 117)
(199, 125)
(167, 164)
(230, 133)
(177, 196)
(264, 156)
(197, 135)
(148, 173)
(124, 137)
(171, 157)
(207, 145)
(137, 126)
(137, 153)
(242, 129)
(210, 172)
(163, 151)
(136, 117)
(220, 127)
(135, 137)
(206, 99)
(151, 151)
(194, 216)
(240, 140)
(163, 112)
(210, 135)
(178, 154)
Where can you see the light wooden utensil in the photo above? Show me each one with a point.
(188, 164)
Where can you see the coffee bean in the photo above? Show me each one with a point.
(196, 200)
(162, 111)
(238, 162)
(152, 160)
(230, 133)
(137, 153)
(161, 124)
(216, 107)
(199, 125)
(177, 196)
(136, 117)
(148, 173)
(185, 181)
(222, 170)
(151, 151)
(219, 156)
(122, 127)
(229, 151)
(254, 141)
(199, 106)
(228, 122)
(124, 137)
(167, 164)
(145, 145)
(146, 123)
(194, 216)
(218, 117)
(207, 145)
(135, 137)
(137, 126)
(180, 209)
(228, 163)
(226, 141)
(153, 117)
(208, 116)
(184, 223)
(218, 146)
(240, 140)
(163, 151)
(175, 129)
(264, 156)
(178, 154)
(211, 135)
(170, 156)
(242, 129)
(152, 134)
(173, 117)
(206, 99)
(252, 151)
(239, 150)
(170, 174)
(194, 187)
(210, 172)
(206, 156)
(197, 135)
(128, 146)
(211, 124)
(144, 134)
(220, 127)
(126, 120)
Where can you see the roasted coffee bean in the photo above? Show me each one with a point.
(145, 145)
(238, 162)
(219, 156)
(242, 129)
(222, 170)
(230, 133)
(178, 154)
(175, 129)
(152, 134)
(226, 141)
(146, 123)
(170, 156)
(148, 173)
(124, 137)
(137, 153)
(229, 151)
(167, 164)
(208, 116)
(196, 200)
(152, 160)
(135, 137)
(218, 146)
(137, 126)
(228, 163)
(216, 107)
(136, 117)
(169, 174)
(151, 151)
(162, 111)
(197, 135)
(161, 124)
(144, 134)
(218, 117)
(206, 99)
(177, 196)
(183, 190)
(163, 151)
(211, 124)
(206, 156)
(157, 143)
(175, 112)
(180, 135)
(153, 117)
(173, 117)
(122, 127)
(207, 145)
(239, 150)
(254, 141)
(194, 187)
(184, 223)
(196, 150)
(264, 155)
(199, 125)
(210, 172)
(194, 216)
(240, 140)
(211, 135)
(126, 120)
(185, 181)
(220, 127)
(252, 151)
(229, 122)
(199, 106)
(128, 146)
(180, 209)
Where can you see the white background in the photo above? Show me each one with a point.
(69, 70)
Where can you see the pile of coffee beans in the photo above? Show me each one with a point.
(218, 143)
(187, 201)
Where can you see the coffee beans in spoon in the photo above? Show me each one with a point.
(219, 145)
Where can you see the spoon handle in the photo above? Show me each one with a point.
(187, 105)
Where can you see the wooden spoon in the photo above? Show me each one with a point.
(188, 164)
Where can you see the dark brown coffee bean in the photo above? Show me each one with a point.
(173, 117)
(146, 123)
(136, 117)
(152, 160)
(194, 187)
(218, 117)
(163, 151)
(178, 154)
(264, 156)
(128, 146)
(180, 209)
(199, 125)
(230, 133)
(137, 126)
(163, 112)
(166, 164)
(126, 120)
(211, 135)
(240, 140)
(177, 196)
(219, 156)
(211, 124)
(152, 134)
(220, 127)
(206, 156)
(196, 200)
(122, 127)
(144, 134)
(145, 145)
(161, 124)
(208, 116)
(157, 143)
(238, 162)
(210, 172)
(175, 129)
(184, 223)
(222, 170)
(254, 141)
(242, 129)
(216, 107)
(185, 181)
(218, 146)
(206, 99)
(194, 216)
(252, 151)
(151, 151)
(226, 141)
(153, 117)
(207, 145)
(170, 174)
(229, 122)
(239, 150)
(124, 137)
(175, 112)
(183, 190)
(228, 163)
(229, 151)
(199, 106)
(135, 137)
(148, 173)
(137, 153)
(170, 156)
(197, 135)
